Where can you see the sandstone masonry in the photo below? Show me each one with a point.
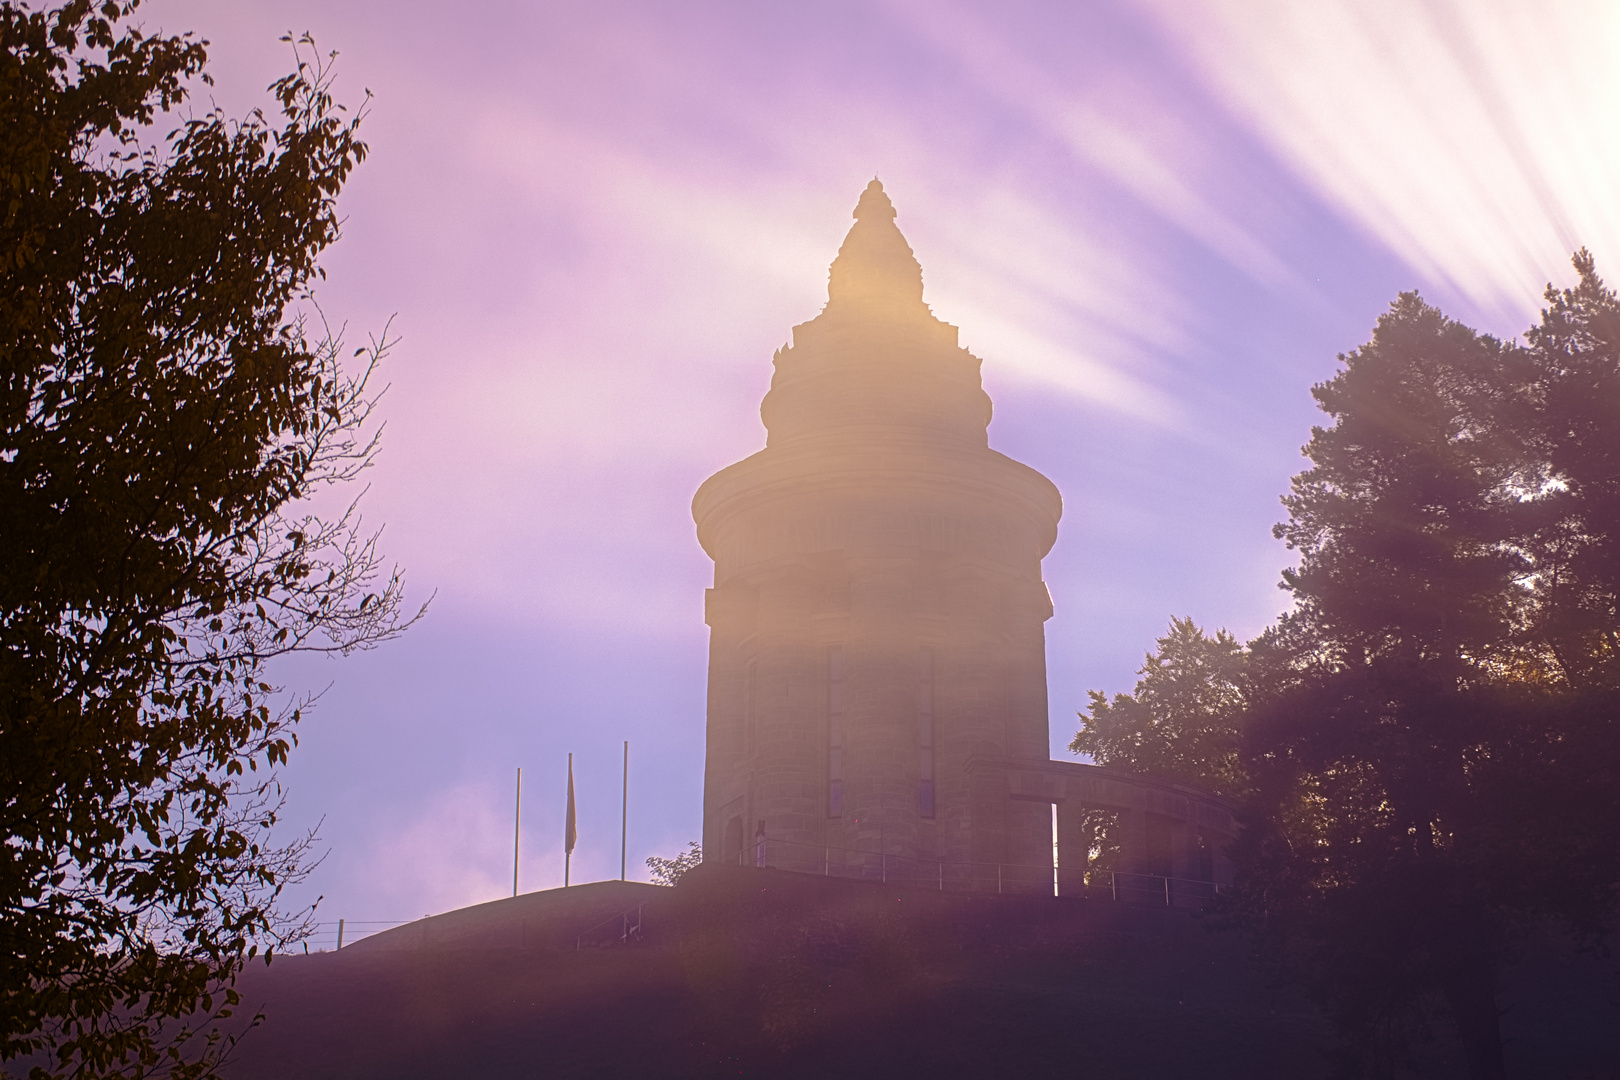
(877, 666)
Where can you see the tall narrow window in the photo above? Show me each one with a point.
(925, 734)
(835, 731)
(751, 707)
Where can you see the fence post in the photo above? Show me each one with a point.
(1166, 892)
(826, 861)
(998, 877)
(942, 875)
(1113, 885)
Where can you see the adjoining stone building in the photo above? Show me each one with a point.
(877, 666)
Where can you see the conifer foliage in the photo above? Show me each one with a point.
(162, 414)
(1428, 743)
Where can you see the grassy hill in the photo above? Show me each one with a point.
(743, 972)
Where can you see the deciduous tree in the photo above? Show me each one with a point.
(1181, 720)
(670, 871)
(163, 413)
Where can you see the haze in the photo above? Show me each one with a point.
(593, 224)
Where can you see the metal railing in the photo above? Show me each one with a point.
(949, 875)
(329, 935)
(863, 864)
(628, 923)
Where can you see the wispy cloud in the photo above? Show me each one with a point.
(1479, 140)
(448, 854)
(1127, 132)
(761, 241)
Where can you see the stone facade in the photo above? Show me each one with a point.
(877, 665)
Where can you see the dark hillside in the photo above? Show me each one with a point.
(764, 973)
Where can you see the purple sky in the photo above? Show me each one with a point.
(593, 223)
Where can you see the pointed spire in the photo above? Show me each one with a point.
(875, 262)
(874, 202)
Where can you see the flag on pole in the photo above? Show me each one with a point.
(569, 835)
(517, 823)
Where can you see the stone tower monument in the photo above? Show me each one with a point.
(877, 660)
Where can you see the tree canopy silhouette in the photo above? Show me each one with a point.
(1428, 743)
(1181, 721)
(162, 415)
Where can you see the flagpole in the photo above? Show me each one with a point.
(569, 831)
(517, 823)
(624, 813)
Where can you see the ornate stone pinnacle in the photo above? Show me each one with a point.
(875, 263)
